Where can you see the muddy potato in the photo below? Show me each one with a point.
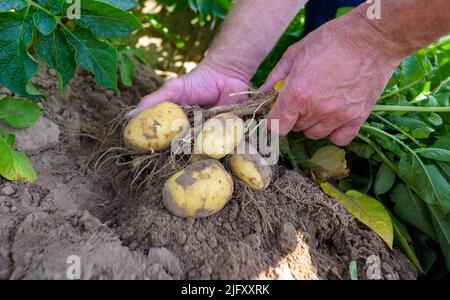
(154, 128)
(252, 169)
(200, 190)
(220, 135)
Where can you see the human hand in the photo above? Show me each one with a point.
(333, 78)
(207, 85)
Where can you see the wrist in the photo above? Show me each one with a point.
(358, 31)
(228, 66)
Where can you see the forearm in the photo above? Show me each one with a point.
(405, 26)
(250, 32)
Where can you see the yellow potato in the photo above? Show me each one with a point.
(200, 190)
(220, 135)
(279, 86)
(154, 128)
(252, 169)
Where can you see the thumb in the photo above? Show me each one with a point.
(172, 91)
(282, 114)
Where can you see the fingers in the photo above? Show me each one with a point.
(283, 112)
(280, 72)
(330, 113)
(171, 91)
(345, 134)
(302, 125)
(231, 97)
(318, 131)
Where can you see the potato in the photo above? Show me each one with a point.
(195, 158)
(252, 169)
(154, 128)
(279, 86)
(200, 190)
(220, 135)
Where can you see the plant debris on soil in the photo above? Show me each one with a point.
(290, 231)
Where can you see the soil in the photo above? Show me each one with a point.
(289, 231)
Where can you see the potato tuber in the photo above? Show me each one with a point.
(220, 135)
(252, 169)
(154, 128)
(200, 190)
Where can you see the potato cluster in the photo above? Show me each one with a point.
(204, 187)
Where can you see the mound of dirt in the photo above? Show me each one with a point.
(290, 231)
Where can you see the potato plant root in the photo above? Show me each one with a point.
(99, 201)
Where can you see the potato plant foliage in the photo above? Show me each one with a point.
(63, 37)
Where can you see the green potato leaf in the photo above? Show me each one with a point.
(106, 21)
(126, 70)
(425, 254)
(17, 66)
(387, 143)
(384, 180)
(361, 150)
(7, 5)
(443, 142)
(44, 22)
(414, 124)
(441, 224)
(435, 119)
(412, 210)
(422, 133)
(411, 71)
(200, 6)
(220, 8)
(435, 154)
(404, 242)
(14, 165)
(34, 92)
(426, 181)
(54, 6)
(445, 169)
(329, 163)
(19, 113)
(366, 209)
(95, 56)
(55, 51)
(10, 139)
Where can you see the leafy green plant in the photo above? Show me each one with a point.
(43, 30)
(405, 148)
(126, 64)
(64, 37)
(17, 113)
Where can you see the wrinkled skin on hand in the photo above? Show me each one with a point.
(207, 85)
(332, 83)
